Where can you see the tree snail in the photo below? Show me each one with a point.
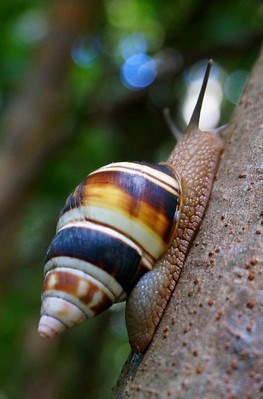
(115, 229)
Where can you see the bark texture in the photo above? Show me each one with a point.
(209, 343)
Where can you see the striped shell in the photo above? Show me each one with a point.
(114, 227)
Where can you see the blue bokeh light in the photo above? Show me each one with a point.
(133, 44)
(85, 51)
(138, 71)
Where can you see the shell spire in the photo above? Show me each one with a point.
(49, 326)
(195, 118)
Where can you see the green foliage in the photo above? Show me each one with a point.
(108, 122)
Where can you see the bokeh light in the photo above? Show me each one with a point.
(30, 27)
(138, 71)
(133, 44)
(85, 51)
(123, 14)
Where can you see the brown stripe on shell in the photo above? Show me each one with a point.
(112, 196)
(74, 199)
(79, 287)
(143, 168)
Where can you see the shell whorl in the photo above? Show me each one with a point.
(112, 230)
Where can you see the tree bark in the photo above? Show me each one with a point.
(209, 343)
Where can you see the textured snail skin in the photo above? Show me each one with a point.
(195, 159)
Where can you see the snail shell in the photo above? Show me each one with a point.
(114, 227)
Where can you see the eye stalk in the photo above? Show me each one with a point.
(195, 118)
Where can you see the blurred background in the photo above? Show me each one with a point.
(83, 84)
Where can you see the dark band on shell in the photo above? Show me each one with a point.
(114, 227)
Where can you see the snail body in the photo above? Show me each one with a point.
(115, 228)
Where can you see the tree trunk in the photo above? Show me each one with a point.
(209, 343)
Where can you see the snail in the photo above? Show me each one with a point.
(124, 233)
